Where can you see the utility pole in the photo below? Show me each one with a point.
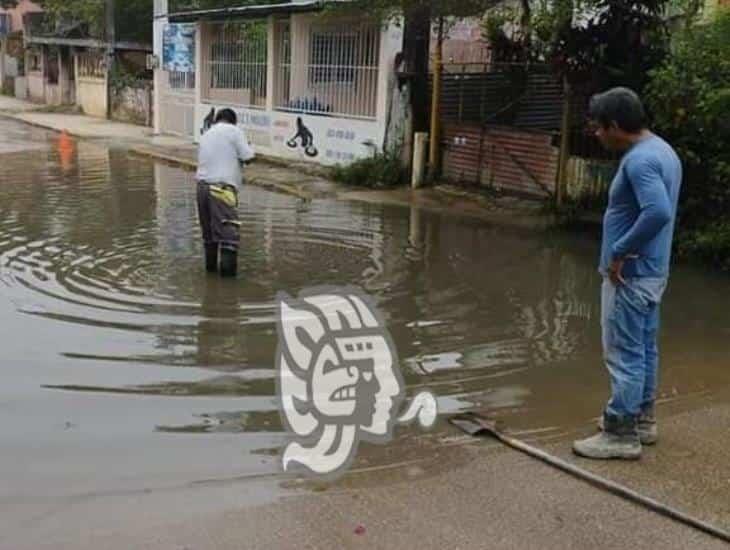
(434, 155)
(111, 41)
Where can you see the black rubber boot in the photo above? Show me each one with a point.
(211, 258)
(229, 262)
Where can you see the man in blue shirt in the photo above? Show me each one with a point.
(638, 230)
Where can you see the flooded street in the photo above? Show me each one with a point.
(127, 369)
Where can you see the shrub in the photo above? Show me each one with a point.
(381, 171)
(689, 98)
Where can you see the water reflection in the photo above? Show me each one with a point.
(105, 305)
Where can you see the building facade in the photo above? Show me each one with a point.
(304, 87)
(12, 58)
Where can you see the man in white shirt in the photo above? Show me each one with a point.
(222, 149)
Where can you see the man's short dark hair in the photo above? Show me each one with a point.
(226, 115)
(619, 105)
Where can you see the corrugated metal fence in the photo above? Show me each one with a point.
(501, 128)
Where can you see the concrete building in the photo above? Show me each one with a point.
(12, 74)
(304, 87)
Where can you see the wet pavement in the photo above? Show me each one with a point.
(128, 374)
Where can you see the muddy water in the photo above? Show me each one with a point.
(126, 368)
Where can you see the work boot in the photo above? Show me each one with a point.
(647, 427)
(229, 262)
(211, 258)
(619, 439)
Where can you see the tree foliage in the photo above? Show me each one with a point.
(87, 17)
(384, 9)
(689, 97)
(601, 42)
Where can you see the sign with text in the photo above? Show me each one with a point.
(322, 139)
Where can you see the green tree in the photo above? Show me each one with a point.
(600, 42)
(689, 97)
(133, 17)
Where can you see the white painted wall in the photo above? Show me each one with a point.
(91, 93)
(337, 140)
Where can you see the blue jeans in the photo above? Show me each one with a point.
(630, 324)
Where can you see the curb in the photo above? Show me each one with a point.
(191, 164)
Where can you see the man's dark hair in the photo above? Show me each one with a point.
(619, 105)
(226, 115)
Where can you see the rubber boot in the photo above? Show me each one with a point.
(229, 262)
(211, 258)
(647, 428)
(619, 439)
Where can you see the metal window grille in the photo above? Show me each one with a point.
(234, 64)
(332, 69)
(282, 45)
(180, 81)
(91, 65)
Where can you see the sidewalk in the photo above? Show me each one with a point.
(467, 495)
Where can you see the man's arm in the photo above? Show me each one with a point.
(656, 209)
(245, 152)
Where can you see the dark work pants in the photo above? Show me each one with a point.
(218, 214)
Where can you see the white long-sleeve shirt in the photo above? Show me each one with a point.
(221, 149)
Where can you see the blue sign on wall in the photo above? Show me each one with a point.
(178, 48)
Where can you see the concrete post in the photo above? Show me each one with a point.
(201, 49)
(3, 48)
(111, 39)
(420, 150)
(158, 26)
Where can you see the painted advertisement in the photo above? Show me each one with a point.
(178, 48)
(316, 138)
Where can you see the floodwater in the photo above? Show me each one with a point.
(126, 369)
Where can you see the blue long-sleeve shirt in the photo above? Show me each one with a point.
(642, 210)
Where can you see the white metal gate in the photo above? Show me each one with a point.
(177, 104)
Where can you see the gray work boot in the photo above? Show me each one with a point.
(619, 439)
(647, 428)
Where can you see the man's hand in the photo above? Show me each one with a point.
(614, 272)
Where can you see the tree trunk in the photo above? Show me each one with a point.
(416, 52)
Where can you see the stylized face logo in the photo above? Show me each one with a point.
(353, 381)
(338, 379)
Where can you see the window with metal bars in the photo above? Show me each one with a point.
(234, 64)
(328, 69)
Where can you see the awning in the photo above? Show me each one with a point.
(243, 12)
